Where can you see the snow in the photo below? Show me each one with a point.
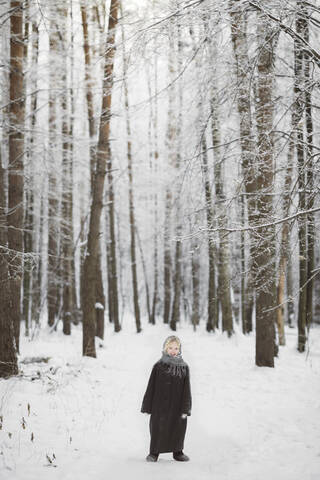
(99, 306)
(247, 423)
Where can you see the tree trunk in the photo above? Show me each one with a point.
(290, 312)
(167, 256)
(100, 298)
(176, 158)
(213, 312)
(224, 254)
(243, 74)
(175, 314)
(89, 94)
(28, 217)
(66, 219)
(169, 201)
(112, 247)
(145, 276)
(299, 107)
(27, 264)
(16, 154)
(310, 175)
(103, 159)
(155, 298)
(244, 324)
(195, 269)
(53, 202)
(108, 255)
(284, 244)
(8, 355)
(264, 237)
(35, 280)
(131, 196)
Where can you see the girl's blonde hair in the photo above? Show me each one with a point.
(171, 339)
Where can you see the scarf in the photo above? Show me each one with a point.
(177, 366)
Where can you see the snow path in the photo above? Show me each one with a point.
(247, 423)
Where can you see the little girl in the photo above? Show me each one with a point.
(168, 400)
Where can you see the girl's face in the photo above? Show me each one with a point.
(173, 349)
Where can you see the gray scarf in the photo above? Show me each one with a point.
(177, 366)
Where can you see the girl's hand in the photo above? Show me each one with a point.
(184, 415)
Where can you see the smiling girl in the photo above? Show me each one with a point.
(168, 400)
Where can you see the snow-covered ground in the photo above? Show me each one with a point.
(78, 418)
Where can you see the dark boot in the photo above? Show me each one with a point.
(152, 457)
(180, 456)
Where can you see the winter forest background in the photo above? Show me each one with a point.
(159, 168)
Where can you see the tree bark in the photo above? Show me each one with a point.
(213, 312)
(242, 64)
(264, 238)
(103, 159)
(66, 219)
(299, 107)
(16, 154)
(8, 354)
(310, 175)
(195, 269)
(167, 256)
(112, 247)
(155, 158)
(144, 268)
(132, 220)
(177, 283)
(224, 284)
(285, 235)
(100, 298)
(53, 201)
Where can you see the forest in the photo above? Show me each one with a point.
(159, 163)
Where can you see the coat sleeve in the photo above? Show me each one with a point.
(148, 396)
(186, 398)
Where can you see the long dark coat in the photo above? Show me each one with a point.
(167, 397)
